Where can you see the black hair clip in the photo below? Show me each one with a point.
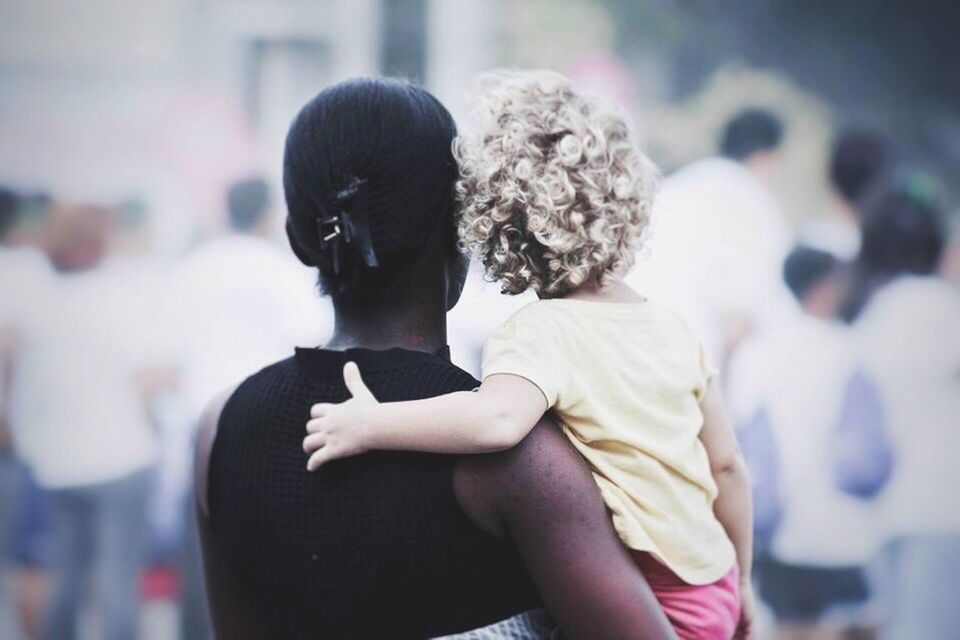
(350, 224)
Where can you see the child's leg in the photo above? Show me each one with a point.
(707, 612)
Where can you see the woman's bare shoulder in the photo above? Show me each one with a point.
(206, 435)
(542, 468)
(542, 496)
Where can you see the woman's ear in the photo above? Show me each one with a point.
(303, 255)
(456, 273)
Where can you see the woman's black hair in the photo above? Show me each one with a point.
(393, 139)
(903, 233)
(860, 161)
(751, 131)
(805, 268)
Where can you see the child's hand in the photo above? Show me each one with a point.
(748, 612)
(337, 430)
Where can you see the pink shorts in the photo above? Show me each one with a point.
(697, 612)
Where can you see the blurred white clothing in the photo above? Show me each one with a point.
(833, 235)
(798, 373)
(77, 412)
(910, 339)
(481, 309)
(716, 247)
(247, 303)
(25, 276)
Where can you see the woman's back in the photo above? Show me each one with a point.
(375, 546)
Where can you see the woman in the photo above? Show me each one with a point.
(389, 544)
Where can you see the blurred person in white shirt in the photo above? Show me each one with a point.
(906, 319)
(144, 276)
(718, 237)
(482, 308)
(80, 424)
(25, 275)
(247, 303)
(813, 429)
(15, 263)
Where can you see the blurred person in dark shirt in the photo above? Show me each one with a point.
(861, 161)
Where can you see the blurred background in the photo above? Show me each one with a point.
(807, 227)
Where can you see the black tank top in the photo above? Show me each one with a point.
(374, 546)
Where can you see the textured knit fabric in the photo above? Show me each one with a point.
(529, 625)
(625, 380)
(374, 546)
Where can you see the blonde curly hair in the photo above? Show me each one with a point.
(554, 190)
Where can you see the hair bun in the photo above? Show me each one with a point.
(368, 178)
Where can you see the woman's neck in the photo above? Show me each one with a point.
(405, 325)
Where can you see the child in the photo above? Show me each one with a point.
(556, 198)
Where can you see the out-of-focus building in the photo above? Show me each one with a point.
(178, 98)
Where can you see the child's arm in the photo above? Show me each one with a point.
(733, 506)
(495, 417)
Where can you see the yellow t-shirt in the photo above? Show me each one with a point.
(625, 381)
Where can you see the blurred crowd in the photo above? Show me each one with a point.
(110, 354)
(837, 340)
(840, 353)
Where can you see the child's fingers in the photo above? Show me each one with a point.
(319, 410)
(354, 382)
(315, 425)
(313, 442)
(320, 457)
(744, 632)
